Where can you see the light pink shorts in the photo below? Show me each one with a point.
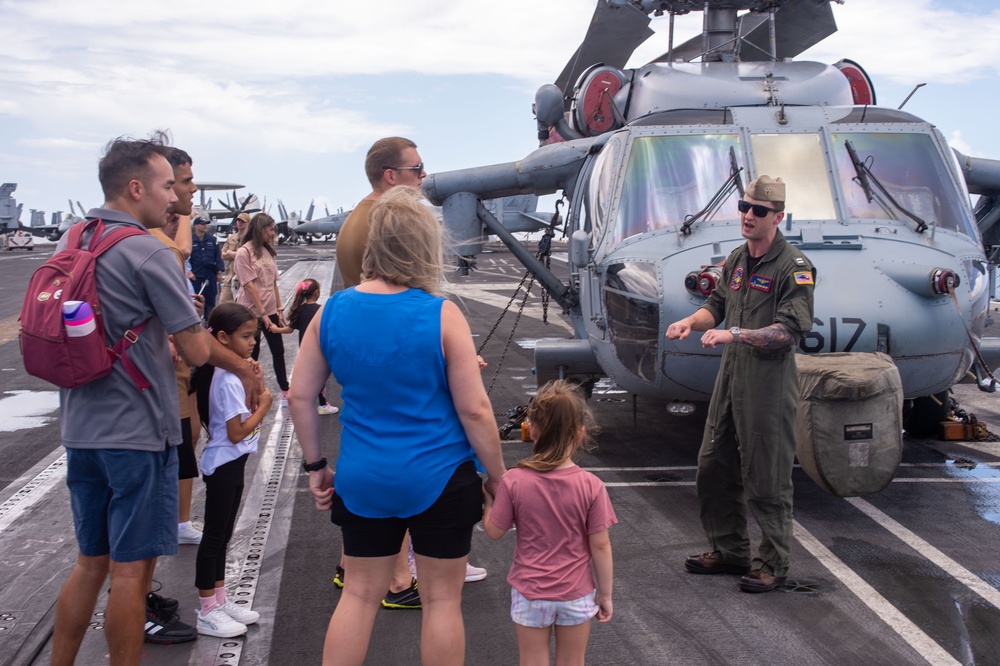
(540, 614)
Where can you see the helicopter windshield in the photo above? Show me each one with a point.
(911, 170)
(669, 178)
(798, 160)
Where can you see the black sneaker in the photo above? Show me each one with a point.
(165, 605)
(338, 578)
(167, 628)
(408, 598)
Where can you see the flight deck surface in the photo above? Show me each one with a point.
(907, 576)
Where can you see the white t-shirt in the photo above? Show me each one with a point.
(226, 399)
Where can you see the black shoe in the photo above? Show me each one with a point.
(167, 629)
(165, 605)
(408, 598)
(338, 578)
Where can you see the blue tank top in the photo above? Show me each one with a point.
(401, 438)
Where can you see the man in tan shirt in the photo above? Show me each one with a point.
(390, 162)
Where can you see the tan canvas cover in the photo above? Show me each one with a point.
(849, 428)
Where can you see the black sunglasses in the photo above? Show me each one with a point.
(419, 168)
(758, 210)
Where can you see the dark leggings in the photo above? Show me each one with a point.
(277, 348)
(223, 492)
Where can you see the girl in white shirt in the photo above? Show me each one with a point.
(233, 432)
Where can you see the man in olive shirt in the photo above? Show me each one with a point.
(390, 162)
(746, 456)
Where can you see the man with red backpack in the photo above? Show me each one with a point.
(121, 440)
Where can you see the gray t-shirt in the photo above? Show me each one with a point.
(137, 279)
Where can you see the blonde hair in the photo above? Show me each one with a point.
(562, 423)
(405, 243)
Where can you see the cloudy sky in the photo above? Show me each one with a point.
(286, 97)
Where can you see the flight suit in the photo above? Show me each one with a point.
(749, 443)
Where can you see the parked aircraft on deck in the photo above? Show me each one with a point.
(653, 161)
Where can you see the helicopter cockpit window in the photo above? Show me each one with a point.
(907, 165)
(669, 178)
(632, 302)
(601, 183)
(798, 160)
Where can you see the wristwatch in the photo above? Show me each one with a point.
(735, 330)
(315, 466)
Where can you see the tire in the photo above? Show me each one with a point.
(922, 416)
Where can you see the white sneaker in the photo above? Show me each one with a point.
(472, 574)
(284, 398)
(327, 409)
(218, 623)
(190, 535)
(240, 612)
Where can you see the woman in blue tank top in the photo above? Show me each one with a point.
(414, 419)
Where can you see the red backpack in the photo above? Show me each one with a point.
(69, 275)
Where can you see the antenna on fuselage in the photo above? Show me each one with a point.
(915, 89)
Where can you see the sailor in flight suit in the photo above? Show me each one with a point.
(766, 299)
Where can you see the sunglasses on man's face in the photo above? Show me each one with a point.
(758, 210)
(419, 168)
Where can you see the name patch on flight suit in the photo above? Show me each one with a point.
(760, 282)
(803, 277)
(737, 280)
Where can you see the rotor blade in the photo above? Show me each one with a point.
(614, 33)
(798, 25)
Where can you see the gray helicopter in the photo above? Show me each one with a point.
(653, 161)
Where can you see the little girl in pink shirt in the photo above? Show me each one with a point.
(562, 514)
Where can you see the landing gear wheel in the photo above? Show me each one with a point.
(922, 416)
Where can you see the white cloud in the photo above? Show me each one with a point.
(956, 141)
(913, 41)
(277, 92)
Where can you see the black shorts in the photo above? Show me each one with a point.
(187, 464)
(443, 531)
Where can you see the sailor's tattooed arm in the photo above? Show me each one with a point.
(771, 337)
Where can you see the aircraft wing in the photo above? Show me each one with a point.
(207, 187)
(330, 224)
(522, 221)
(50, 231)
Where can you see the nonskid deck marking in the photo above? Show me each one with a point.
(989, 593)
(923, 644)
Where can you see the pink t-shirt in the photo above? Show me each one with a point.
(262, 269)
(555, 514)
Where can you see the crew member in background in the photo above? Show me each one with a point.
(206, 263)
(766, 300)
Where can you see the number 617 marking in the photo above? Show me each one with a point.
(813, 342)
